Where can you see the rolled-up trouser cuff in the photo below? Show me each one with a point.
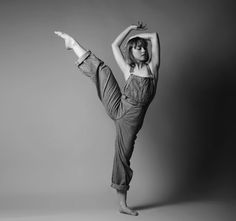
(82, 58)
(120, 187)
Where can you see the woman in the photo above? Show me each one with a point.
(127, 108)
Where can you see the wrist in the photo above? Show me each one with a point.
(132, 27)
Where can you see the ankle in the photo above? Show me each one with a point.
(79, 51)
(123, 204)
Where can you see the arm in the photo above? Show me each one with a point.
(155, 49)
(117, 44)
(117, 50)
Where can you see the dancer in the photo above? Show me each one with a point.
(127, 107)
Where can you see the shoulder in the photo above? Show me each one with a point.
(127, 72)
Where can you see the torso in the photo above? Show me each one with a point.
(140, 85)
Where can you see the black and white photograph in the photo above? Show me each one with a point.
(117, 110)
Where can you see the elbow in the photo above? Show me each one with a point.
(155, 35)
(156, 38)
(114, 47)
(115, 44)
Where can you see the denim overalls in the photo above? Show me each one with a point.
(127, 110)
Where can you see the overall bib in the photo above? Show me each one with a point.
(127, 110)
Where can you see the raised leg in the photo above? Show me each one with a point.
(107, 87)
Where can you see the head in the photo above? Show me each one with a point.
(137, 51)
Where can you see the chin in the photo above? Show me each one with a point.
(144, 60)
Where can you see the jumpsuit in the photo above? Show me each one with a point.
(126, 109)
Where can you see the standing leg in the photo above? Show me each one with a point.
(122, 173)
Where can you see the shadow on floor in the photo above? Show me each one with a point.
(176, 200)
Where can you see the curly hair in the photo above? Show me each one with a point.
(133, 43)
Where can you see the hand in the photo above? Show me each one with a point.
(140, 26)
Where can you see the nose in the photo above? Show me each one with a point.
(142, 50)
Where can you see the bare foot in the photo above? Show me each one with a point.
(69, 41)
(126, 210)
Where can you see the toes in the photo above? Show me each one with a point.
(60, 34)
(57, 32)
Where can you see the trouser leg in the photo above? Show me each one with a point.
(124, 145)
(107, 87)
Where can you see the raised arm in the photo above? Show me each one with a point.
(155, 49)
(117, 50)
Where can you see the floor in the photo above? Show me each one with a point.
(71, 208)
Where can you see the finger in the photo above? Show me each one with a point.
(145, 27)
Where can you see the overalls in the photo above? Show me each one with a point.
(127, 110)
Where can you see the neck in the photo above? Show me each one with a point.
(140, 65)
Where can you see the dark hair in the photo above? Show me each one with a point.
(135, 42)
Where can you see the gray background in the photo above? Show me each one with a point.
(55, 137)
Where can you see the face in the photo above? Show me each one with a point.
(139, 53)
